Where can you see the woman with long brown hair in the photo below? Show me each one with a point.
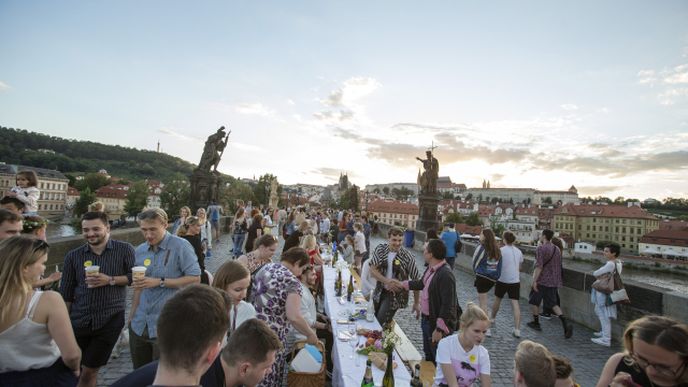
(36, 336)
(239, 230)
(487, 265)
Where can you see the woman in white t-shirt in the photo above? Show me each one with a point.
(460, 358)
(235, 279)
(509, 281)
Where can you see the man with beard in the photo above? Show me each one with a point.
(96, 302)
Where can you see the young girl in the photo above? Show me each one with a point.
(346, 248)
(26, 191)
(184, 212)
(235, 279)
(35, 226)
(603, 311)
(460, 358)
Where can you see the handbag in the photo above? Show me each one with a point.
(618, 294)
(458, 245)
(604, 284)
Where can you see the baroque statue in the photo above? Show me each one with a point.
(212, 151)
(428, 179)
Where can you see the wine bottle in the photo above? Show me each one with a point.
(350, 288)
(370, 312)
(338, 284)
(415, 382)
(368, 376)
(388, 379)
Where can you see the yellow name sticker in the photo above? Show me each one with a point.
(472, 358)
(88, 264)
(146, 262)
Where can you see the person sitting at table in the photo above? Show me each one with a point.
(234, 279)
(318, 321)
(276, 295)
(346, 249)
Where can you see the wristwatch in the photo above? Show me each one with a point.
(112, 281)
(162, 282)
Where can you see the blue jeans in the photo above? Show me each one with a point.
(238, 244)
(450, 261)
(428, 347)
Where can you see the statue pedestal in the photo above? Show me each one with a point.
(427, 219)
(204, 188)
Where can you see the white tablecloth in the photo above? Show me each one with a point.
(345, 371)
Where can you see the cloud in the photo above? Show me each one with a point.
(646, 77)
(290, 102)
(594, 190)
(677, 75)
(669, 82)
(333, 173)
(344, 103)
(245, 147)
(4, 86)
(254, 109)
(669, 96)
(175, 133)
(569, 107)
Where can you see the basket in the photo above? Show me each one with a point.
(308, 379)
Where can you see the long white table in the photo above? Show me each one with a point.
(346, 371)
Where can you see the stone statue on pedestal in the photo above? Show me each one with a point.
(428, 196)
(274, 199)
(205, 180)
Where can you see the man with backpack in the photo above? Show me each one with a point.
(452, 242)
(214, 212)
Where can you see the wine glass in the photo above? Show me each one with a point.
(353, 342)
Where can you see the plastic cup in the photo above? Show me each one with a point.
(138, 272)
(92, 271)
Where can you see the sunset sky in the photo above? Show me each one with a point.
(541, 94)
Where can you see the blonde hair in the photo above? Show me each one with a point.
(153, 214)
(204, 216)
(309, 242)
(17, 253)
(184, 228)
(472, 314)
(96, 206)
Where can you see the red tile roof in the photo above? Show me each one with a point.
(393, 207)
(71, 191)
(666, 237)
(610, 211)
(110, 192)
(673, 225)
(466, 229)
(527, 211)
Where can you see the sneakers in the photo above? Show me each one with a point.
(516, 333)
(601, 341)
(597, 334)
(546, 316)
(534, 325)
(568, 330)
(489, 332)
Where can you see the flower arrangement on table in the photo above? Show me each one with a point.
(379, 345)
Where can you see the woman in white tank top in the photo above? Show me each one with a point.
(36, 337)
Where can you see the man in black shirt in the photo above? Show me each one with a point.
(245, 361)
(96, 302)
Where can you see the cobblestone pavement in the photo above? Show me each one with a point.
(587, 358)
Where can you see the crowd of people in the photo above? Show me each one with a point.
(237, 328)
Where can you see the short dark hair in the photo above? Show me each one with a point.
(10, 200)
(93, 215)
(189, 323)
(548, 234)
(563, 367)
(614, 248)
(295, 255)
(437, 249)
(251, 342)
(395, 231)
(509, 237)
(9, 216)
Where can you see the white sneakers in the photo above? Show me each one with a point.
(597, 334)
(601, 341)
(516, 333)
(489, 332)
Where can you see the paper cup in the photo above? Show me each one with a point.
(138, 272)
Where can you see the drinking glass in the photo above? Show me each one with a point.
(354, 338)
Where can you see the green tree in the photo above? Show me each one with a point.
(137, 197)
(385, 190)
(469, 196)
(376, 191)
(547, 200)
(349, 199)
(473, 219)
(261, 191)
(86, 197)
(447, 195)
(92, 181)
(233, 191)
(175, 195)
(454, 217)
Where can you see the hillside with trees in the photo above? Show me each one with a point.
(75, 157)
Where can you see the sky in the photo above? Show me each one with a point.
(537, 94)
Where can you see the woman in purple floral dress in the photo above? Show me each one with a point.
(276, 295)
